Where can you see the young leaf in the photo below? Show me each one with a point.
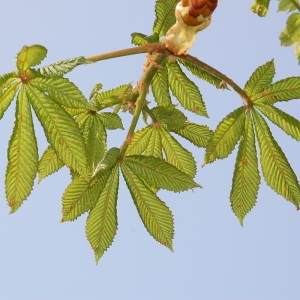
(60, 129)
(49, 163)
(226, 136)
(102, 223)
(155, 215)
(62, 67)
(203, 74)
(287, 5)
(165, 16)
(260, 7)
(159, 173)
(286, 122)
(111, 120)
(199, 135)
(30, 56)
(160, 87)
(7, 97)
(185, 90)
(177, 155)
(22, 155)
(291, 33)
(62, 91)
(246, 179)
(260, 79)
(139, 141)
(140, 39)
(275, 167)
(97, 87)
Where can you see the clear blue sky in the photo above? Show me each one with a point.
(214, 258)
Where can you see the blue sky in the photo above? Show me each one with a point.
(214, 257)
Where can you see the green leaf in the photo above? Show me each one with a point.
(95, 90)
(62, 67)
(260, 7)
(283, 90)
(155, 215)
(6, 80)
(260, 79)
(203, 74)
(287, 5)
(297, 50)
(22, 155)
(111, 120)
(246, 179)
(60, 129)
(102, 223)
(275, 167)
(160, 87)
(165, 16)
(49, 163)
(185, 90)
(226, 136)
(139, 141)
(7, 97)
(62, 91)
(291, 33)
(154, 147)
(177, 155)
(140, 39)
(159, 173)
(199, 135)
(30, 56)
(286, 122)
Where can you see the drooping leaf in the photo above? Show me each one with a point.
(160, 87)
(286, 122)
(199, 135)
(60, 129)
(62, 67)
(7, 97)
(177, 155)
(155, 215)
(62, 91)
(102, 223)
(283, 90)
(185, 90)
(49, 163)
(287, 5)
(276, 169)
(111, 121)
(30, 56)
(202, 73)
(260, 79)
(226, 136)
(260, 7)
(22, 155)
(165, 16)
(246, 179)
(140, 39)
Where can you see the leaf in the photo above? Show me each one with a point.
(22, 155)
(177, 155)
(49, 163)
(7, 97)
(275, 167)
(154, 147)
(283, 90)
(260, 7)
(185, 90)
(226, 136)
(139, 141)
(102, 223)
(62, 91)
(95, 90)
(111, 120)
(62, 67)
(156, 216)
(287, 5)
(165, 16)
(160, 87)
(140, 39)
(260, 79)
(199, 135)
(297, 50)
(291, 33)
(6, 81)
(159, 173)
(30, 56)
(203, 74)
(246, 179)
(60, 129)
(286, 122)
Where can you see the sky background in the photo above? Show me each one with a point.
(214, 258)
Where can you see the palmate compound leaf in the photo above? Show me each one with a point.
(275, 167)
(226, 136)
(49, 163)
(287, 5)
(30, 56)
(165, 16)
(260, 79)
(246, 179)
(60, 129)
(286, 122)
(22, 155)
(159, 173)
(154, 213)
(260, 7)
(282, 90)
(185, 90)
(102, 222)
